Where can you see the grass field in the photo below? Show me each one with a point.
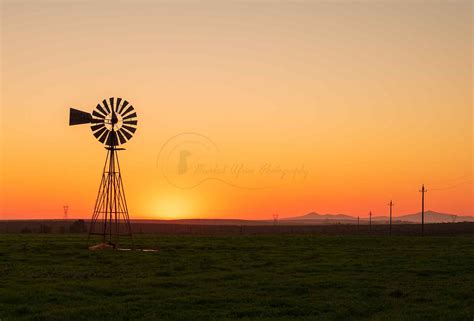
(281, 277)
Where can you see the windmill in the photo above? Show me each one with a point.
(113, 122)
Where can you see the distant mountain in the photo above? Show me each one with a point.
(315, 216)
(430, 217)
(435, 217)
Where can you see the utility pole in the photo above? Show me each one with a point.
(423, 191)
(275, 219)
(391, 205)
(370, 221)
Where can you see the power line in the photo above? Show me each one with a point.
(451, 186)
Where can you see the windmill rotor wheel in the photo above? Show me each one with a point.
(114, 121)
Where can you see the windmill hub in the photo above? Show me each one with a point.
(113, 123)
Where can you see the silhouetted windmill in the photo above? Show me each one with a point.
(113, 123)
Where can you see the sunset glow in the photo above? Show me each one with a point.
(243, 110)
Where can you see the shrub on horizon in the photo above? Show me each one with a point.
(78, 226)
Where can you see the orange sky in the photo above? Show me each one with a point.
(364, 102)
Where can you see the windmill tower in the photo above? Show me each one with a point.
(113, 123)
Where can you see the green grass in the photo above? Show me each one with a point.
(53, 277)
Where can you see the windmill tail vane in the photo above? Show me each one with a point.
(113, 122)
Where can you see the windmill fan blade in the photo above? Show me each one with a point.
(95, 113)
(125, 103)
(130, 116)
(122, 139)
(129, 109)
(130, 122)
(112, 106)
(127, 134)
(112, 139)
(106, 106)
(78, 117)
(97, 120)
(119, 100)
(95, 127)
(129, 128)
(98, 133)
(103, 137)
(99, 108)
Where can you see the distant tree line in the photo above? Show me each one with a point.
(78, 226)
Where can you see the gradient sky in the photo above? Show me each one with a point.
(367, 100)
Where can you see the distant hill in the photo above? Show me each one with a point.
(430, 217)
(316, 216)
(435, 217)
